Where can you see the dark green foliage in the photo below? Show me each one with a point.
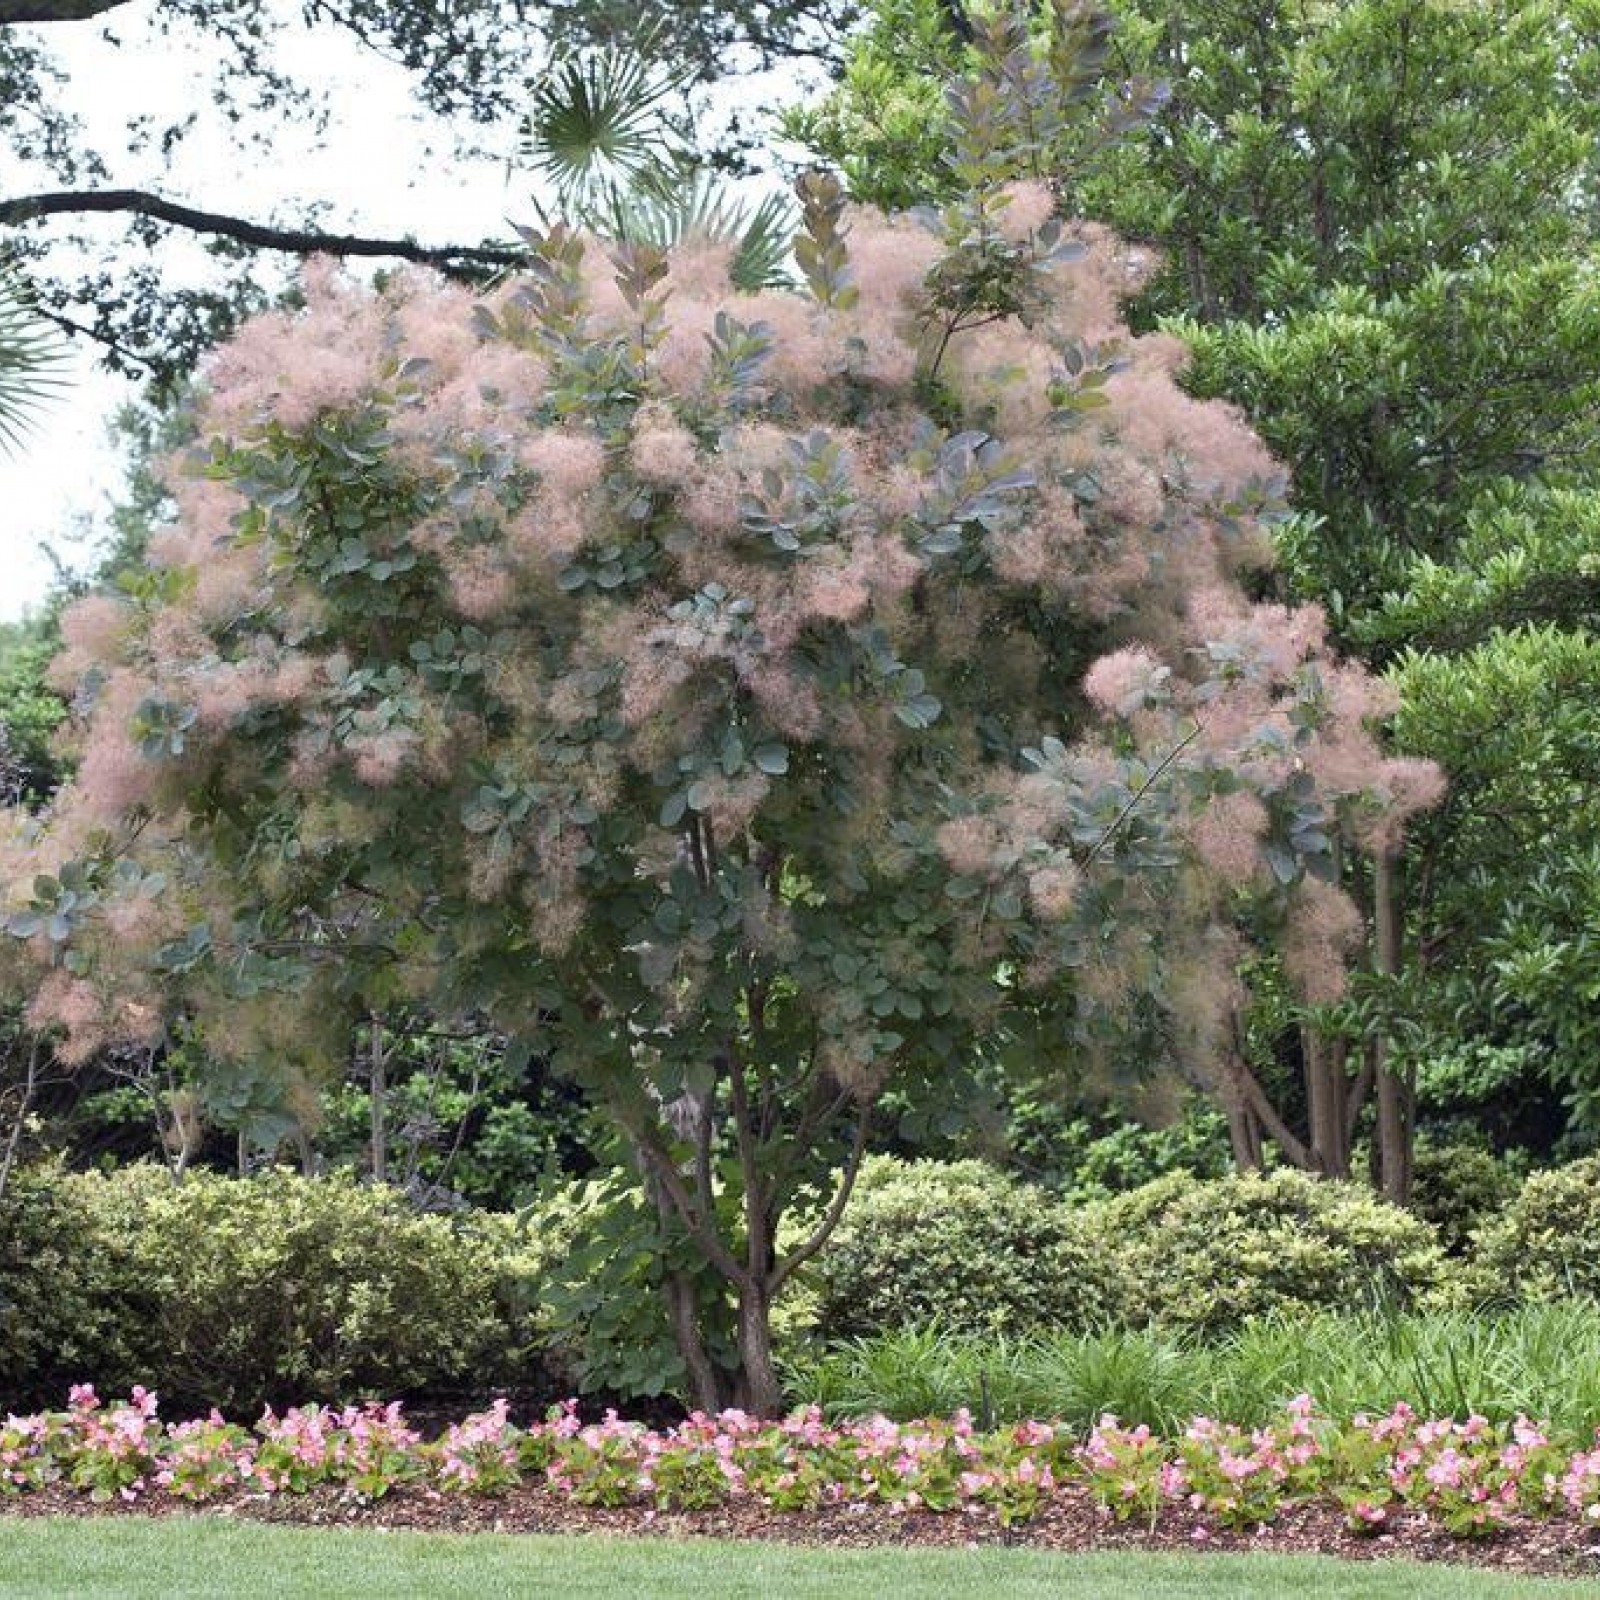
(1547, 1246)
(1106, 1157)
(598, 1252)
(29, 712)
(464, 1115)
(961, 1245)
(1033, 1117)
(1208, 1256)
(1458, 1188)
(75, 1302)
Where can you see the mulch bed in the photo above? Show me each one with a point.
(1071, 1523)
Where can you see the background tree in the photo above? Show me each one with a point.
(1376, 230)
(686, 681)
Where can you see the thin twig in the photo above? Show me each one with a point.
(820, 1234)
(1139, 793)
(14, 1140)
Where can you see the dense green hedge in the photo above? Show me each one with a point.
(961, 1244)
(1210, 1255)
(1459, 1189)
(1546, 1246)
(75, 1303)
(229, 1293)
(237, 1294)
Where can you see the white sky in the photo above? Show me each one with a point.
(374, 170)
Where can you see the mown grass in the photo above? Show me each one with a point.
(1540, 1360)
(193, 1556)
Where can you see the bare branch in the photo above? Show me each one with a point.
(820, 1234)
(15, 11)
(261, 236)
(1139, 794)
(757, 1243)
(30, 1084)
(701, 1228)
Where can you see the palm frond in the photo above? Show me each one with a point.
(604, 119)
(31, 357)
(670, 208)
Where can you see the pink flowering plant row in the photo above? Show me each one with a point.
(1468, 1477)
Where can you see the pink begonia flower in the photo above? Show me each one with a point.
(1528, 1434)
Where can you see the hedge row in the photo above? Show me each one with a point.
(964, 1246)
(240, 1294)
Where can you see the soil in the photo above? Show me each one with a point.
(1071, 1523)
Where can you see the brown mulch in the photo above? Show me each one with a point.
(1071, 1523)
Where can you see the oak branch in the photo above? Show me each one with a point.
(450, 259)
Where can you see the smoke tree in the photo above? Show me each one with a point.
(752, 699)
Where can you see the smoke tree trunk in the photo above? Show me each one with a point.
(1327, 1092)
(759, 1389)
(708, 1388)
(1244, 1135)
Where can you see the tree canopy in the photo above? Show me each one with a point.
(1376, 231)
(750, 699)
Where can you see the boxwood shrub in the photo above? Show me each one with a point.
(1207, 1255)
(1460, 1188)
(1546, 1246)
(236, 1293)
(961, 1245)
(75, 1301)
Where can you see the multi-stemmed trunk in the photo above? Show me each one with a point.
(1335, 1098)
(750, 1268)
(752, 1384)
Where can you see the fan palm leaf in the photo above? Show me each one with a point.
(668, 209)
(30, 358)
(604, 119)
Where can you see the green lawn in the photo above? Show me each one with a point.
(197, 1556)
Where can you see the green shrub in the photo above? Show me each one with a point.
(1459, 1188)
(283, 1287)
(242, 1293)
(593, 1252)
(1547, 1245)
(1129, 1154)
(74, 1299)
(1208, 1255)
(961, 1245)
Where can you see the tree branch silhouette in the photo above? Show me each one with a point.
(457, 260)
